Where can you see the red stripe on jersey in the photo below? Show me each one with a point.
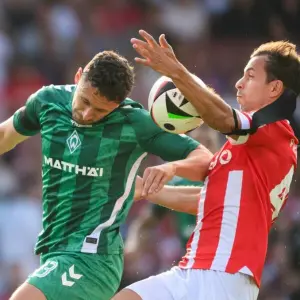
(249, 117)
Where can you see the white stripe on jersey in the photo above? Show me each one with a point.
(197, 230)
(92, 248)
(245, 122)
(229, 220)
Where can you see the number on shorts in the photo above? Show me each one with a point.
(45, 269)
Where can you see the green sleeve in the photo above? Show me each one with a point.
(154, 140)
(26, 119)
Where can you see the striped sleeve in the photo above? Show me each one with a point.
(246, 120)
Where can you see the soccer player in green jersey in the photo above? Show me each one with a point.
(93, 141)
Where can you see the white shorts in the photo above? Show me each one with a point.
(192, 284)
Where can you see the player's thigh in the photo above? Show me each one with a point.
(78, 276)
(27, 291)
(178, 284)
(165, 286)
(127, 294)
(218, 285)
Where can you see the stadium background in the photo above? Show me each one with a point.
(43, 42)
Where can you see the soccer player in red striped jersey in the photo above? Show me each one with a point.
(247, 184)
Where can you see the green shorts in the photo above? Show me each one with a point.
(78, 276)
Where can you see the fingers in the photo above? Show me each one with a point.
(139, 43)
(161, 184)
(163, 42)
(148, 37)
(152, 181)
(144, 53)
(142, 61)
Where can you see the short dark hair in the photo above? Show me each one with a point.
(111, 74)
(283, 63)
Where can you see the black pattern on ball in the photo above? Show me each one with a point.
(173, 109)
(169, 126)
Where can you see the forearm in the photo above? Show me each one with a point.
(214, 111)
(182, 199)
(195, 166)
(5, 144)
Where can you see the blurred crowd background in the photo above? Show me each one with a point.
(44, 42)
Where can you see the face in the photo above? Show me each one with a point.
(253, 90)
(88, 105)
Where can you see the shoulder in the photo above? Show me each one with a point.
(53, 93)
(135, 111)
(269, 135)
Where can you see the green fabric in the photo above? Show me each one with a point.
(95, 276)
(88, 172)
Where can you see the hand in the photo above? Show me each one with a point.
(138, 189)
(155, 178)
(160, 57)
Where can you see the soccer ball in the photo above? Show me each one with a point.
(170, 110)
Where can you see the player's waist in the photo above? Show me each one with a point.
(232, 268)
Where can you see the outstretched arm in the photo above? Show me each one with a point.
(180, 198)
(214, 111)
(193, 167)
(9, 137)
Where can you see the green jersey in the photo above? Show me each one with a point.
(185, 223)
(89, 171)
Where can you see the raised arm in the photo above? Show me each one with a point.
(182, 199)
(214, 111)
(9, 137)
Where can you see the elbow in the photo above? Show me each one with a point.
(192, 206)
(193, 211)
(222, 121)
(6, 147)
(201, 164)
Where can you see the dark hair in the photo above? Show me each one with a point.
(111, 74)
(282, 63)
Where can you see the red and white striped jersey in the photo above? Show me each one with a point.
(246, 187)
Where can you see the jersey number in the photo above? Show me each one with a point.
(45, 269)
(280, 193)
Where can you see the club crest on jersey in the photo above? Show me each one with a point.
(73, 141)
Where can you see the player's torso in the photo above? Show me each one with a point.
(88, 174)
(245, 189)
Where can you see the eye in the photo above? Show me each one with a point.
(85, 101)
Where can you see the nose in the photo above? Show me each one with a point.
(87, 115)
(239, 84)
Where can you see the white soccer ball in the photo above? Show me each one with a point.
(170, 110)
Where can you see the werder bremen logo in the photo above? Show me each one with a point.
(73, 141)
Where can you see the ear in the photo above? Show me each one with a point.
(277, 88)
(78, 75)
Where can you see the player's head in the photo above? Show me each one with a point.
(272, 67)
(103, 84)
